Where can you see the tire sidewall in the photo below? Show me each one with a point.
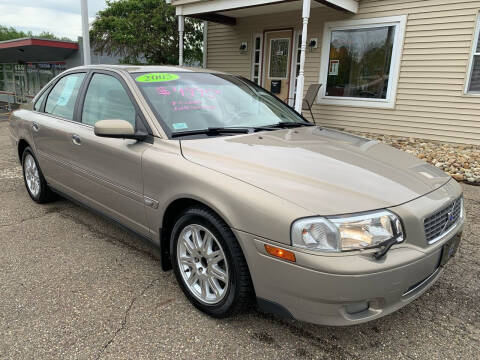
(223, 237)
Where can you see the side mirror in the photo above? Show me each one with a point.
(117, 129)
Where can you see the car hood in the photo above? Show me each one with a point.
(325, 171)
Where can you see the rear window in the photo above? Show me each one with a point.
(61, 100)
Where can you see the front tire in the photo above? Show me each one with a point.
(209, 264)
(34, 181)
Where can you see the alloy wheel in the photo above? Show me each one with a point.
(202, 264)
(32, 176)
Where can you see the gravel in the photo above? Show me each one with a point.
(462, 162)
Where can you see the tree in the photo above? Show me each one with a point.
(144, 31)
(50, 36)
(11, 33)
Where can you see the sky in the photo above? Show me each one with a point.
(60, 17)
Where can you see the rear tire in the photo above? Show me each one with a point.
(209, 264)
(34, 180)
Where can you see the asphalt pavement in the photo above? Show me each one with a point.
(76, 286)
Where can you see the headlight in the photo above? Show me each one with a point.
(344, 233)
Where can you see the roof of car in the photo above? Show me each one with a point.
(149, 68)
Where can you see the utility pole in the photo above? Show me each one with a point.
(85, 33)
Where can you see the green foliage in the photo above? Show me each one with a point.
(11, 33)
(144, 31)
(50, 36)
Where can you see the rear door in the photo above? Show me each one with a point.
(109, 171)
(53, 116)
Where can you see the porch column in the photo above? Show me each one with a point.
(301, 76)
(205, 43)
(181, 29)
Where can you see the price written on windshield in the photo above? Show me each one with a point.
(192, 92)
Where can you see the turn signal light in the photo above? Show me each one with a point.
(280, 253)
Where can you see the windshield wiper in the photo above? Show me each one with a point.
(211, 131)
(287, 125)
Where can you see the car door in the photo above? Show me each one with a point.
(52, 117)
(108, 170)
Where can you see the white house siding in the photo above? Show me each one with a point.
(430, 98)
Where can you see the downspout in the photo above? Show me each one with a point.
(181, 29)
(205, 43)
(301, 73)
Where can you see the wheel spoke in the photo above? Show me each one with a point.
(219, 273)
(207, 243)
(193, 279)
(188, 246)
(196, 238)
(203, 286)
(187, 261)
(214, 287)
(214, 257)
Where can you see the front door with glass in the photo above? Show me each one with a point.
(278, 56)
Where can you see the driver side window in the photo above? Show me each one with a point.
(107, 99)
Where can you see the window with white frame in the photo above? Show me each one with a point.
(257, 59)
(361, 61)
(473, 84)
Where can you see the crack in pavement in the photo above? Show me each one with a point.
(46, 212)
(125, 317)
(105, 236)
(327, 346)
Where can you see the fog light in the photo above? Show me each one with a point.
(357, 307)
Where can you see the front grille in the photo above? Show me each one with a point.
(443, 220)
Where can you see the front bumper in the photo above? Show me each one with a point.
(340, 299)
(349, 288)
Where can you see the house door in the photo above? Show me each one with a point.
(278, 55)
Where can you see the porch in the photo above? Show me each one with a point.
(277, 51)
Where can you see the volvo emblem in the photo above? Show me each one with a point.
(450, 218)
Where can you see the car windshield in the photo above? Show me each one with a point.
(186, 101)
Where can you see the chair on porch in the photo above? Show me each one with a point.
(309, 98)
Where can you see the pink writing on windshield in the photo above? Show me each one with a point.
(194, 92)
(193, 107)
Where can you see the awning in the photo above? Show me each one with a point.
(35, 50)
(227, 11)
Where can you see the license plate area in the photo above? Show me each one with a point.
(450, 249)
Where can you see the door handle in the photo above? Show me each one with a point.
(35, 126)
(76, 139)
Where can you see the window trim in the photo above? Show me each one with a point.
(260, 51)
(473, 53)
(389, 103)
